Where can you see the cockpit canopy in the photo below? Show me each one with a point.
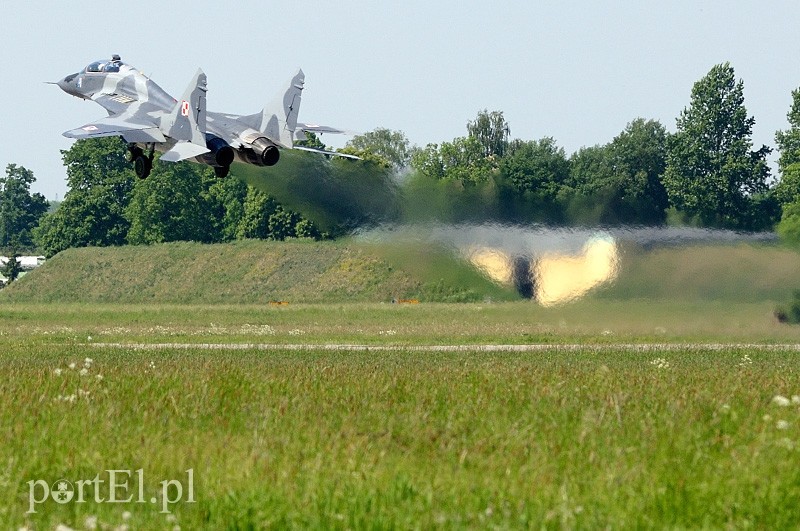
(106, 66)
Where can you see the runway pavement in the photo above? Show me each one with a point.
(539, 347)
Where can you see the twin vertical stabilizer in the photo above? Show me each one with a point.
(187, 122)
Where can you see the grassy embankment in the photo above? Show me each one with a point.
(257, 272)
(736, 273)
(252, 272)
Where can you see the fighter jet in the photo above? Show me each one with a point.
(149, 119)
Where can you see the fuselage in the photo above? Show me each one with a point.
(129, 95)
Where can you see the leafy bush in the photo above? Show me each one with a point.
(789, 227)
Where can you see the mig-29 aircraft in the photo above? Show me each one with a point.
(149, 119)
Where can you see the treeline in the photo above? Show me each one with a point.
(107, 205)
(707, 174)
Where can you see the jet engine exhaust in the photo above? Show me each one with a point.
(263, 152)
(221, 154)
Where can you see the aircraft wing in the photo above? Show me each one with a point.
(112, 126)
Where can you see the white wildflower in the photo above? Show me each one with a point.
(745, 361)
(87, 362)
(126, 515)
(782, 425)
(99, 377)
(90, 522)
(660, 363)
(62, 527)
(796, 400)
(767, 418)
(57, 372)
(67, 398)
(725, 408)
(780, 400)
(84, 371)
(171, 518)
(89, 338)
(71, 365)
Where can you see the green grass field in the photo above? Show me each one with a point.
(649, 404)
(598, 434)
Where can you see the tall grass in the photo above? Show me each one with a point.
(405, 439)
(592, 436)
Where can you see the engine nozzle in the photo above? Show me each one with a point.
(221, 154)
(263, 152)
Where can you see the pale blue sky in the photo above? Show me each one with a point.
(576, 71)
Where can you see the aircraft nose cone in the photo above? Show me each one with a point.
(68, 85)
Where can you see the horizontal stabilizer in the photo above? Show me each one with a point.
(319, 129)
(184, 150)
(323, 152)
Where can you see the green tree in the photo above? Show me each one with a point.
(173, 204)
(532, 182)
(461, 160)
(392, 148)
(788, 188)
(226, 203)
(254, 223)
(20, 210)
(787, 191)
(789, 141)
(536, 167)
(491, 131)
(638, 160)
(621, 182)
(264, 218)
(591, 189)
(100, 182)
(591, 170)
(312, 141)
(11, 268)
(711, 173)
